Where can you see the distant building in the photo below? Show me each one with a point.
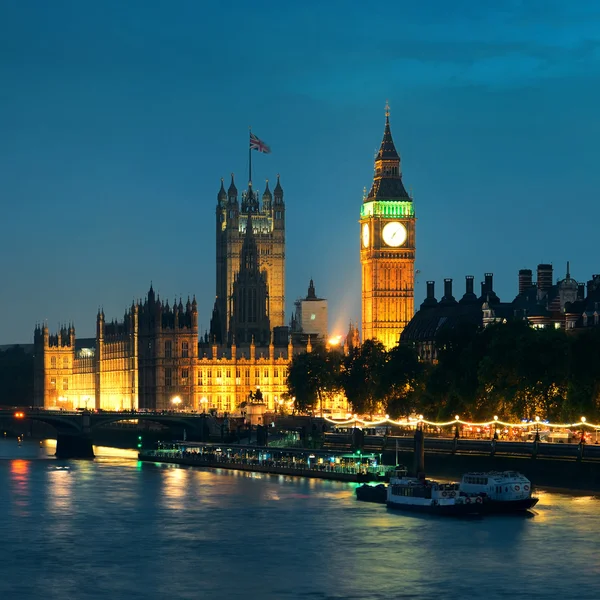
(311, 317)
(565, 305)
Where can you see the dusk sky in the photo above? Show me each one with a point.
(118, 119)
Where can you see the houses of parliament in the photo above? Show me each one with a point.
(155, 358)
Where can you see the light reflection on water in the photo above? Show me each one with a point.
(116, 528)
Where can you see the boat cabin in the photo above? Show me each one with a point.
(506, 485)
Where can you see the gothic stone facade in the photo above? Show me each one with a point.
(269, 232)
(153, 357)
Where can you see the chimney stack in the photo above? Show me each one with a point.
(448, 297)
(489, 283)
(581, 291)
(525, 280)
(431, 290)
(430, 300)
(544, 278)
(469, 284)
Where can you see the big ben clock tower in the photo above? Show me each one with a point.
(387, 249)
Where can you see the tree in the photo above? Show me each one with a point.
(525, 371)
(451, 386)
(312, 376)
(583, 390)
(401, 376)
(362, 377)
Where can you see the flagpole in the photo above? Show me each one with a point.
(249, 158)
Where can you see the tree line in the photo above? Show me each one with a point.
(509, 370)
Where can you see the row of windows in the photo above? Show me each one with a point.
(65, 384)
(185, 374)
(65, 362)
(185, 349)
(207, 375)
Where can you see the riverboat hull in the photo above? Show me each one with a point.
(372, 493)
(491, 507)
(446, 510)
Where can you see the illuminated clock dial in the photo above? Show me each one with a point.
(365, 235)
(394, 234)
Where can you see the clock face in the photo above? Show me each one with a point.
(365, 235)
(394, 234)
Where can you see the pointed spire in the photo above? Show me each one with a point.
(568, 270)
(311, 291)
(387, 150)
(222, 195)
(267, 192)
(278, 191)
(232, 191)
(387, 182)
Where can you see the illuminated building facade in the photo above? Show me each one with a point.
(152, 360)
(387, 249)
(268, 221)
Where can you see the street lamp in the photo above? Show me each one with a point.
(280, 402)
(537, 429)
(204, 402)
(456, 432)
(495, 427)
(176, 402)
(582, 430)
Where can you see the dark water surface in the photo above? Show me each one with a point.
(116, 528)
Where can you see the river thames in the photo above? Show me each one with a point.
(120, 529)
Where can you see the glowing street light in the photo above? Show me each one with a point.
(203, 402)
(176, 402)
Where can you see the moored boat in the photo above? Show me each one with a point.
(500, 491)
(372, 493)
(430, 497)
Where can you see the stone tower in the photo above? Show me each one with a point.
(249, 319)
(268, 222)
(387, 248)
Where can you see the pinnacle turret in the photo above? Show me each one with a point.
(232, 191)
(267, 193)
(222, 195)
(278, 191)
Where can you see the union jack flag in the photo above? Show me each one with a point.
(256, 144)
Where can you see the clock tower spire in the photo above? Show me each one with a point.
(387, 253)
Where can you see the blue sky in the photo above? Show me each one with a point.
(118, 120)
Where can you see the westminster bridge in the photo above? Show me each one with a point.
(75, 430)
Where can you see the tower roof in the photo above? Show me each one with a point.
(222, 195)
(267, 192)
(387, 182)
(278, 191)
(232, 191)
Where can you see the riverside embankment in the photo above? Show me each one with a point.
(565, 474)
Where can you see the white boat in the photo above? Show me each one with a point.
(430, 497)
(501, 491)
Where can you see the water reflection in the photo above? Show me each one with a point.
(19, 486)
(115, 528)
